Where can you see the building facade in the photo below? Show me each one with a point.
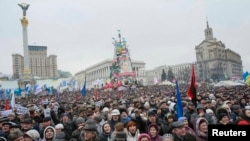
(182, 72)
(101, 71)
(40, 64)
(17, 65)
(216, 62)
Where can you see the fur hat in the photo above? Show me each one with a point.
(221, 115)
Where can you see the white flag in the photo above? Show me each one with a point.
(12, 102)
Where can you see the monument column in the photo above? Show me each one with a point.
(26, 77)
(25, 23)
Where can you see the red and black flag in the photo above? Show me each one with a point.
(192, 88)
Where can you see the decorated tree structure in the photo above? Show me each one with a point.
(121, 69)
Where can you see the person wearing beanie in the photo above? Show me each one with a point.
(144, 137)
(152, 118)
(223, 119)
(167, 137)
(16, 135)
(132, 131)
(124, 116)
(177, 129)
(68, 125)
(60, 134)
(188, 129)
(119, 132)
(78, 131)
(213, 117)
(90, 131)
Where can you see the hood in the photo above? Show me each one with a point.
(198, 121)
(49, 127)
(153, 125)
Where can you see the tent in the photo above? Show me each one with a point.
(228, 83)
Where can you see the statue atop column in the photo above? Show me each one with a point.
(24, 7)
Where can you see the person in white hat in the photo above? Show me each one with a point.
(32, 135)
(115, 118)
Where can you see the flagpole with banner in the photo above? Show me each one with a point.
(192, 88)
(179, 101)
(84, 91)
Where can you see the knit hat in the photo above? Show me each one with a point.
(151, 113)
(221, 115)
(90, 125)
(209, 111)
(242, 122)
(181, 119)
(33, 134)
(143, 135)
(105, 109)
(79, 120)
(115, 112)
(167, 136)
(59, 126)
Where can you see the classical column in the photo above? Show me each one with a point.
(25, 23)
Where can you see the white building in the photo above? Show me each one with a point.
(101, 71)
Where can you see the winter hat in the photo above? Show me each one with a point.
(167, 136)
(115, 112)
(79, 120)
(90, 125)
(33, 134)
(221, 115)
(151, 113)
(105, 109)
(153, 125)
(123, 110)
(181, 119)
(146, 104)
(242, 122)
(144, 135)
(209, 111)
(59, 126)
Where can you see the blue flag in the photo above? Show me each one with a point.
(83, 91)
(245, 76)
(179, 103)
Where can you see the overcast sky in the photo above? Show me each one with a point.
(158, 32)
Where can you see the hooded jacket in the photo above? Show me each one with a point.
(157, 137)
(44, 133)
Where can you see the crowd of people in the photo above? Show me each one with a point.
(142, 113)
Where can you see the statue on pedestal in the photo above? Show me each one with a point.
(24, 7)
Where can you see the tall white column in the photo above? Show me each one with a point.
(24, 22)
